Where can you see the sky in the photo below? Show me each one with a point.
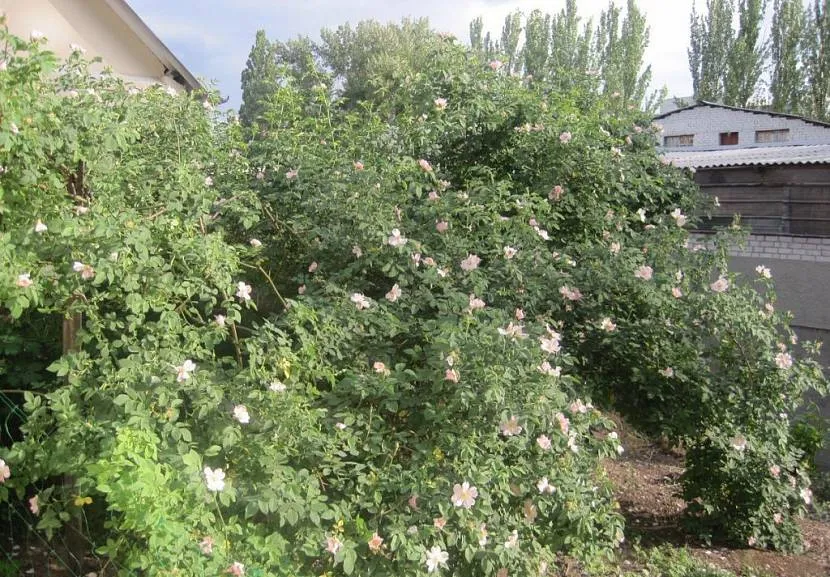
(213, 37)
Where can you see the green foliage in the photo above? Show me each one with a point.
(375, 50)
(817, 58)
(9, 568)
(747, 488)
(711, 38)
(671, 562)
(558, 50)
(786, 54)
(810, 434)
(259, 78)
(366, 341)
(730, 64)
(621, 48)
(747, 55)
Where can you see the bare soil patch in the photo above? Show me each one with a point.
(647, 487)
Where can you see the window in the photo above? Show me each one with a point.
(728, 138)
(780, 135)
(680, 140)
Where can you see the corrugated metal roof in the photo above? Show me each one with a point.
(761, 156)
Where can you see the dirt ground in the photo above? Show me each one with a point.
(647, 486)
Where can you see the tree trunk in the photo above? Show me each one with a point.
(74, 548)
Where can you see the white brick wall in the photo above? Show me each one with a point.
(780, 247)
(707, 122)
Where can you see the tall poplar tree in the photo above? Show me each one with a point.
(787, 44)
(562, 50)
(511, 34)
(476, 36)
(571, 50)
(536, 51)
(745, 63)
(817, 56)
(711, 38)
(259, 79)
(621, 48)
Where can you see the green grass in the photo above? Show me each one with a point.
(668, 561)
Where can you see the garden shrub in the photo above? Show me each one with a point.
(656, 325)
(365, 340)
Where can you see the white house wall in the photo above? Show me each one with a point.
(93, 25)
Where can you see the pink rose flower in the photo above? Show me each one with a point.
(645, 272)
(720, 285)
(476, 303)
(333, 545)
(510, 427)
(394, 293)
(563, 422)
(34, 505)
(783, 361)
(375, 543)
(470, 263)
(464, 495)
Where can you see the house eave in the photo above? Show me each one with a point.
(174, 68)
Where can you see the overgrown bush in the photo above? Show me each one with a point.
(657, 326)
(367, 340)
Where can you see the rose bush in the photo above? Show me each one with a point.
(365, 339)
(575, 218)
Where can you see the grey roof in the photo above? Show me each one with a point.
(704, 103)
(760, 156)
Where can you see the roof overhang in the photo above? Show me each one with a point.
(173, 66)
(760, 156)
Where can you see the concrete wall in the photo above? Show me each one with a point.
(797, 198)
(803, 287)
(93, 25)
(707, 122)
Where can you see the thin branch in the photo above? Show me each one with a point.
(273, 286)
(235, 340)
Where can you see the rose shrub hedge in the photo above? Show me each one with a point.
(366, 339)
